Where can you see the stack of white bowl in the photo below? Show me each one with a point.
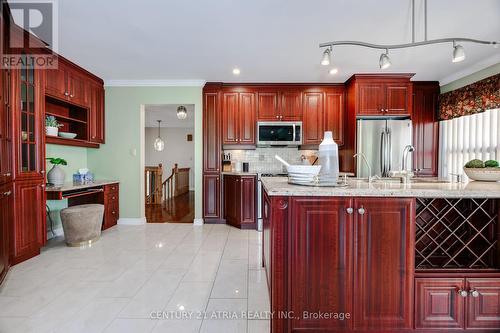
(303, 174)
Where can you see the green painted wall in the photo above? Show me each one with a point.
(76, 158)
(120, 157)
(482, 74)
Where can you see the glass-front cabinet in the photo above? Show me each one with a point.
(29, 121)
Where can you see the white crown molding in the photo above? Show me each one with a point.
(132, 221)
(154, 83)
(493, 60)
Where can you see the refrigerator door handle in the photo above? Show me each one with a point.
(389, 151)
(382, 152)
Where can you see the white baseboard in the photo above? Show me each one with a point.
(132, 221)
(58, 232)
(198, 222)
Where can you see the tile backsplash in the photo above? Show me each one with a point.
(262, 159)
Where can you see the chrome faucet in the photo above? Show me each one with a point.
(408, 149)
(370, 178)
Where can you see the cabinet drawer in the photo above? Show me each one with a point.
(111, 188)
(111, 215)
(111, 197)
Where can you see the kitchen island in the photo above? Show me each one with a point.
(382, 256)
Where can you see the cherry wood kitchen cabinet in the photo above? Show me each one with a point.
(279, 105)
(321, 239)
(238, 118)
(457, 303)
(382, 95)
(67, 83)
(5, 128)
(29, 227)
(384, 226)
(240, 201)
(329, 253)
(334, 115)
(211, 197)
(6, 219)
(96, 113)
(111, 205)
(425, 128)
(313, 118)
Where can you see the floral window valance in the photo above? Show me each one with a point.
(474, 98)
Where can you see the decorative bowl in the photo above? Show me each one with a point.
(67, 135)
(483, 174)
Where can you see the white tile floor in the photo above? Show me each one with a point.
(116, 284)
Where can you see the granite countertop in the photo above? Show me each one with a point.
(71, 187)
(236, 173)
(278, 186)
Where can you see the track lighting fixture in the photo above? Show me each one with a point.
(458, 53)
(325, 60)
(384, 61)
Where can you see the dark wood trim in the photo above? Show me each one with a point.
(70, 142)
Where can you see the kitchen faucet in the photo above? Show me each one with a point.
(408, 149)
(370, 178)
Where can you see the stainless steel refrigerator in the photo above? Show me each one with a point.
(382, 141)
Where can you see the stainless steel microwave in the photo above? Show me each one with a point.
(279, 133)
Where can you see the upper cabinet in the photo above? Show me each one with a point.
(238, 118)
(76, 99)
(383, 95)
(425, 128)
(279, 105)
(313, 118)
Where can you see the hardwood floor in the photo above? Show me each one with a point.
(179, 209)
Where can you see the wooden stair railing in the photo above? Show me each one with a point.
(153, 183)
(177, 183)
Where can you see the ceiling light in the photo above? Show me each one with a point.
(458, 53)
(333, 71)
(384, 61)
(325, 60)
(159, 144)
(236, 71)
(182, 112)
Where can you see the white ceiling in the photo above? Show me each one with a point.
(167, 113)
(269, 40)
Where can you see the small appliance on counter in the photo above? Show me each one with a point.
(246, 167)
(226, 162)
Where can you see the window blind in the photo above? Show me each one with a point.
(465, 138)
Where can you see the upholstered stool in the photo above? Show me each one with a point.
(82, 224)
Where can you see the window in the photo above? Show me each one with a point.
(465, 138)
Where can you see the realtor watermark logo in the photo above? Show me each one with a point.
(33, 35)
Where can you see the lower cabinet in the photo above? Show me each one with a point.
(111, 206)
(239, 201)
(5, 221)
(29, 232)
(338, 262)
(460, 303)
(211, 197)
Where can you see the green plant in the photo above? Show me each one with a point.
(491, 164)
(51, 121)
(57, 161)
(475, 164)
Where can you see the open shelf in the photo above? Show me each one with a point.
(55, 140)
(456, 234)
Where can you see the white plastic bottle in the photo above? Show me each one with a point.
(328, 159)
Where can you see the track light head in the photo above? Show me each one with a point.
(325, 60)
(384, 61)
(458, 53)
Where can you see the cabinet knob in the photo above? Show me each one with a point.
(350, 210)
(71, 95)
(277, 117)
(462, 293)
(42, 186)
(113, 212)
(474, 293)
(114, 198)
(7, 193)
(6, 174)
(42, 172)
(66, 93)
(93, 136)
(361, 211)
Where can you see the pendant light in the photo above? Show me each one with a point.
(159, 144)
(325, 60)
(182, 112)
